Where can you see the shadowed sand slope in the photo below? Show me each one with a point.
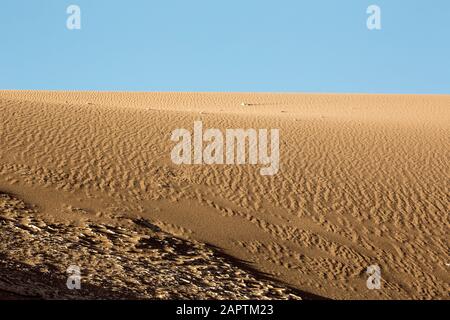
(132, 259)
(363, 180)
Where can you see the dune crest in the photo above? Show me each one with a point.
(362, 180)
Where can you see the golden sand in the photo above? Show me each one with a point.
(363, 180)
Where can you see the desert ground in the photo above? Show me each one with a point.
(86, 179)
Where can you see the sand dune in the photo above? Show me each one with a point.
(363, 180)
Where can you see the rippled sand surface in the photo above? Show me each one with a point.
(363, 180)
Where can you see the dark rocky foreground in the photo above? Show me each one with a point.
(132, 260)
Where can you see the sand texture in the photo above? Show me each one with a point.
(86, 178)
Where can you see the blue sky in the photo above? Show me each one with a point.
(245, 45)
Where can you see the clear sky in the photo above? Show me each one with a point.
(229, 45)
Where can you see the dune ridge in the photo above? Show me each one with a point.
(363, 180)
